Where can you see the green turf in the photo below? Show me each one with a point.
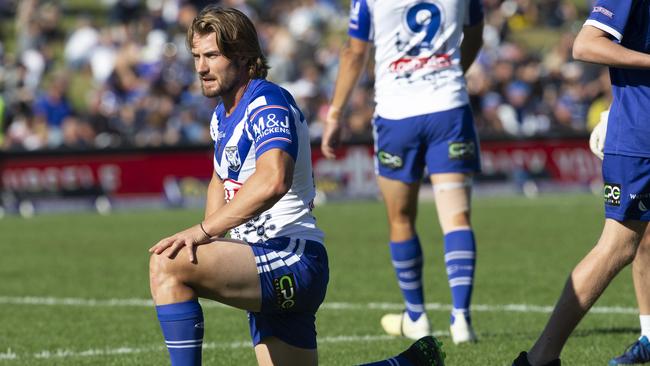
(526, 249)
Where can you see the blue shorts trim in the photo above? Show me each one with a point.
(443, 142)
(293, 275)
(626, 192)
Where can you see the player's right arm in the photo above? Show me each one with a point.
(353, 58)
(215, 196)
(596, 46)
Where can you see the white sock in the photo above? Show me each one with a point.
(645, 325)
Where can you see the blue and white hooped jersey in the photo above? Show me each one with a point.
(417, 52)
(266, 118)
(628, 127)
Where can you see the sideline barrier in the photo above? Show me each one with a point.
(178, 175)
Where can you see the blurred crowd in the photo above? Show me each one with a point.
(119, 74)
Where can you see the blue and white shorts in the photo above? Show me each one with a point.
(293, 274)
(444, 142)
(627, 187)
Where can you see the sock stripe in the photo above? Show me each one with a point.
(187, 346)
(460, 281)
(407, 263)
(182, 342)
(416, 308)
(409, 285)
(460, 254)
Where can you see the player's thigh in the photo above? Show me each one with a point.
(273, 351)
(225, 271)
(643, 252)
(400, 198)
(620, 239)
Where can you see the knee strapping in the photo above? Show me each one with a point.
(453, 204)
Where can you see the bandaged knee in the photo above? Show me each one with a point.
(453, 204)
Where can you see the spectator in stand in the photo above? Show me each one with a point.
(53, 107)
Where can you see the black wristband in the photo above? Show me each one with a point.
(204, 232)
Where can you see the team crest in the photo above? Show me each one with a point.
(232, 157)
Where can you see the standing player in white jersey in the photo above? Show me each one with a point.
(275, 266)
(422, 119)
(616, 35)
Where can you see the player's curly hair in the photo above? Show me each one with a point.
(236, 37)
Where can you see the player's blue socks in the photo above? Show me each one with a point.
(182, 327)
(407, 261)
(460, 257)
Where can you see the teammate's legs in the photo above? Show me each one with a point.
(452, 193)
(400, 200)
(225, 271)
(452, 157)
(400, 165)
(615, 249)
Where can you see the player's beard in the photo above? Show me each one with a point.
(221, 84)
(217, 87)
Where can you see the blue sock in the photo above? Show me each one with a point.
(407, 261)
(393, 361)
(460, 257)
(182, 327)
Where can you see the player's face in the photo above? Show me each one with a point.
(219, 76)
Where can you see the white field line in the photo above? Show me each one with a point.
(9, 355)
(126, 350)
(505, 308)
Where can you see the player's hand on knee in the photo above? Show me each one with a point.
(597, 138)
(188, 238)
(331, 133)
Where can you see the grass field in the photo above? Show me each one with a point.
(74, 290)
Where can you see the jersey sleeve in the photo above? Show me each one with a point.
(360, 25)
(610, 16)
(475, 13)
(271, 125)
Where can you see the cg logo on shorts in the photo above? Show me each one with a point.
(612, 194)
(462, 150)
(389, 160)
(285, 291)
